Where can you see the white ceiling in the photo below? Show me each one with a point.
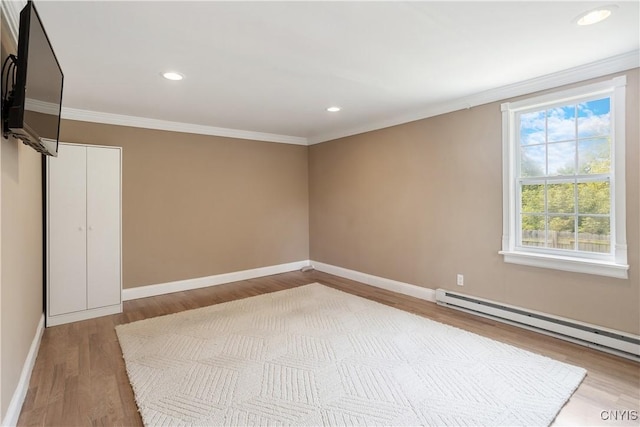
(274, 67)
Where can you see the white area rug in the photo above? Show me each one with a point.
(317, 356)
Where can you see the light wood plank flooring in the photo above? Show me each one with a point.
(79, 378)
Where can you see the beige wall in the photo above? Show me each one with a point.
(195, 205)
(396, 203)
(21, 278)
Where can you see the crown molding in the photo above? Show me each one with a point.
(614, 64)
(41, 106)
(144, 122)
(11, 12)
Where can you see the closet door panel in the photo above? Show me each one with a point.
(67, 254)
(103, 227)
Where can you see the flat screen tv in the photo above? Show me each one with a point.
(35, 103)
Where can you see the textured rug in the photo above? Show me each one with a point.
(314, 355)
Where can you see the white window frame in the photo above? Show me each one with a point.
(612, 265)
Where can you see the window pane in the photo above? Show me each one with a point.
(594, 234)
(561, 232)
(561, 123)
(532, 161)
(532, 230)
(532, 128)
(594, 156)
(532, 198)
(561, 198)
(562, 158)
(594, 118)
(594, 197)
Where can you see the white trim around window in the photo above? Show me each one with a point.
(613, 264)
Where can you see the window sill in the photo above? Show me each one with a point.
(577, 265)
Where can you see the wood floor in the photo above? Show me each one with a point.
(79, 378)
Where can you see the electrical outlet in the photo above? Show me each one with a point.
(460, 280)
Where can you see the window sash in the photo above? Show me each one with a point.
(575, 215)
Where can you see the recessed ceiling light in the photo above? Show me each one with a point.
(172, 75)
(333, 109)
(595, 16)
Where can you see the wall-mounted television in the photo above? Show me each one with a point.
(32, 109)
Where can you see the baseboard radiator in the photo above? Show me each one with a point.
(611, 341)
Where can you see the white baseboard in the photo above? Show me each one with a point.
(15, 406)
(379, 282)
(203, 282)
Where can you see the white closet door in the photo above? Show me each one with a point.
(103, 221)
(67, 231)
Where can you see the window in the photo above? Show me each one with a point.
(563, 172)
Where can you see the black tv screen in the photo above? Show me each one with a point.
(34, 115)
